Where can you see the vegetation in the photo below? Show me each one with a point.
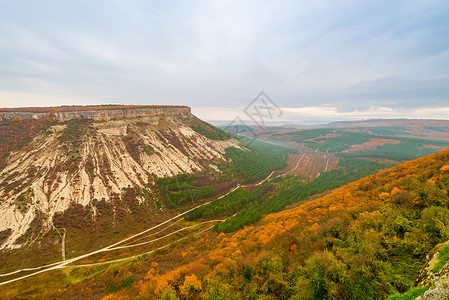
(258, 206)
(74, 131)
(185, 189)
(366, 240)
(226, 206)
(209, 130)
(308, 134)
(16, 134)
(245, 217)
(259, 162)
(374, 143)
(342, 141)
(407, 149)
(135, 146)
(438, 129)
(390, 130)
(443, 258)
(347, 245)
(410, 294)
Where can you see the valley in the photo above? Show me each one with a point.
(150, 203)
(224, 150)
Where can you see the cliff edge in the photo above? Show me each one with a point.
(97, 113)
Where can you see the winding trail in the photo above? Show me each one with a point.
(162, 237)
(65, 263)
(296, 167)
(141, 254)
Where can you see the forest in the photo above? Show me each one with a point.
(184, 189)
(259, 162)
(290, 189)
(407, 149)
(366, 240)
(248, 165)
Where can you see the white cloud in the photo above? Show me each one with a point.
(324, 114)
(222, 53)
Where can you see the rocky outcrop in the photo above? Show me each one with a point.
(435, 278)
(118, 114)
(115, 113)
(10, 115)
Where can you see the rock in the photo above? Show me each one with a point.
(116, 113)
(436, 293)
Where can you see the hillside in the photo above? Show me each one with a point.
(366, 240)
(91, 176)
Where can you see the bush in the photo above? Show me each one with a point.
(409, 295)
(127, 281)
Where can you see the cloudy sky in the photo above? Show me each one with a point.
(317, 60)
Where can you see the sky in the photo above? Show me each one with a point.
(317, 61)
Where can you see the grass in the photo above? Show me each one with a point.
(410, 294)
(443, 258)
(76, 275)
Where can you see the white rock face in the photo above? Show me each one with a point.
(44, 175)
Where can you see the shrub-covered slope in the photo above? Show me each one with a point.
(366, 240)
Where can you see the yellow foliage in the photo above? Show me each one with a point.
(191, 285)
(384, 196)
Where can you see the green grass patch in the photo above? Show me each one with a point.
(77, 275)
(443, 258)
(410, 294)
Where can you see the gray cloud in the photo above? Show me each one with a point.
(347, 54)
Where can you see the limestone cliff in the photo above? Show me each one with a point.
(94, 155)
(101, 113)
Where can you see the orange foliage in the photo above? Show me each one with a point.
(444, 168)
(394, 191)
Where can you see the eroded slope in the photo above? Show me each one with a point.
(87, 163)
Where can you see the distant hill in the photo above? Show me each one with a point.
(389, 122)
